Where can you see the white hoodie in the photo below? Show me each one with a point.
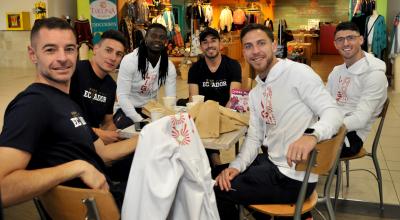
(360, 91)
(134, 92)
(170, 176)
(281, 109)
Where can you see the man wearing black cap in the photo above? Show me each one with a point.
(216, 75)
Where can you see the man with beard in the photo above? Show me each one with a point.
(94, 89)
(45, 139)
(359, 86)
(216, 75)
(144, 71)
(290, 112)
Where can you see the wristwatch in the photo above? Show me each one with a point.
(311, 132)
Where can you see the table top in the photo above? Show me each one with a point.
(224, 141)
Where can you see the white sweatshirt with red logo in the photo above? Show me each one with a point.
(133, 91)
(360, 91)
(290, 100)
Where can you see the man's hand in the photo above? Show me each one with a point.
(107, 137)
(224, 179)
(93, 178)
(299, 150)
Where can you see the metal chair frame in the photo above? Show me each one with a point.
(317, 163)
(373, 154)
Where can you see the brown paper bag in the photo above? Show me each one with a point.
(152, 104)
(207, 121)
(194, 111)
(226, 124)
(241, 118)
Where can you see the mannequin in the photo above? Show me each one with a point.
(370, 28)
(375, 34)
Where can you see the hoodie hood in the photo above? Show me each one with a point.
(276, 71)
(367, 64)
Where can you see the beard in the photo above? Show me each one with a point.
(212, 57)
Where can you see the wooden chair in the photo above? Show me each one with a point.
(1, 208)
(373, 154)
(67, 203)
(323, 158)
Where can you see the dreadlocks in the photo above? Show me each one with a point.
(163, 70)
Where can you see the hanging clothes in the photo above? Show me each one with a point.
(142, 12)
(188, 15)
(126, 27)
(170, 176)
(395, 43)
(208, 14)
(284, 36)
(131, 9)
(239, 17)
(169, 20)
(159, 19)
(357, 8)
(269, 24)
(83, 32)
(226, 19)
(360, 20)
(198, 13)
(365, 7)
(379, 41)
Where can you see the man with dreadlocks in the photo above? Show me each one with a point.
(144, 71)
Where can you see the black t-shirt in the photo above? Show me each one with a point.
(45, 122)
(215, 86)
(95, 96)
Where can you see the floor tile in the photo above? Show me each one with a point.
(363, 187)
(391, 153)
(393, 165)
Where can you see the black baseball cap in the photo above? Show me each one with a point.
(208, 31)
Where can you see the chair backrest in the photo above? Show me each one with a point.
(326, 154)
(68, 203)
(323, 159)
(382, 115)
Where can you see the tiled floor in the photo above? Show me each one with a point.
(362, 185)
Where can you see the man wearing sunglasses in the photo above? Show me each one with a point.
(359, 86)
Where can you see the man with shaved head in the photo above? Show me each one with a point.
(45, 140)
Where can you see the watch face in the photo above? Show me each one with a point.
(309, 131)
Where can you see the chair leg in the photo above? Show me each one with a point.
(241, 213)
(329, 207)
(379, 178)
(338, 183)
(40, 209)
(347, 172)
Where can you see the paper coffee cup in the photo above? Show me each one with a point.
(189, 105)
(156, 113)
(169, 102)
(198, 98)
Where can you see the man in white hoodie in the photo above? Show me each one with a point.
(284, 110)
(359, 86)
